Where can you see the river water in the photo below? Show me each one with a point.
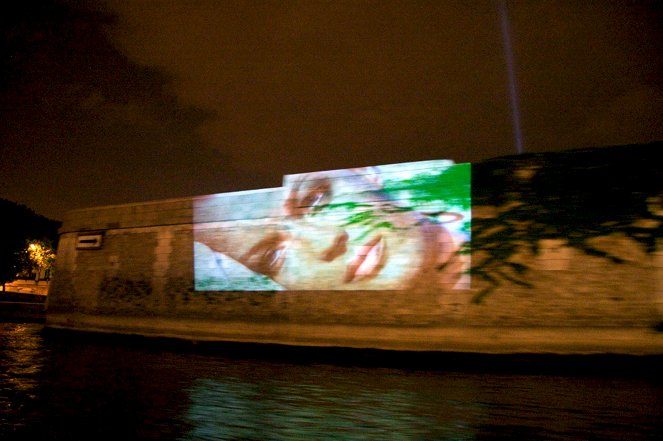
(56, 385)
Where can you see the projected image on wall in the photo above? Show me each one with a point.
(389, 227)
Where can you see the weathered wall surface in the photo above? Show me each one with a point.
(547, 292)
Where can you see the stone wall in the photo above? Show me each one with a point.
(546, 294)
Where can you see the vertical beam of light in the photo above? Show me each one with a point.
(513, 92)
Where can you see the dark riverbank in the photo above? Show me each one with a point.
(75, 386)
(22, 307)
(601, 364)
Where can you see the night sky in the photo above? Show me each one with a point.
(107, 102)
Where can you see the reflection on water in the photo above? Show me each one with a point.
(357, 410)
(65, 387)
(20, 363)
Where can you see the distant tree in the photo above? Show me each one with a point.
(40, 256)
(21, 224)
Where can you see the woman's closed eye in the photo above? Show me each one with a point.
(308, 198)
(267, 256)
(316, 195)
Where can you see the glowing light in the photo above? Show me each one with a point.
(510, 65)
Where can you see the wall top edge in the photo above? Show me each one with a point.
(154, 202)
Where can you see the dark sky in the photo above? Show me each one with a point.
(107, 102)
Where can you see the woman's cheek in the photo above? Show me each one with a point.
(303, 269)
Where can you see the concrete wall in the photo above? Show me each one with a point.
(140, 281)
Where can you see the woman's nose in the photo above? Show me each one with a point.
(337, 248)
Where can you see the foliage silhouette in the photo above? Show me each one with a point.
(576, 196)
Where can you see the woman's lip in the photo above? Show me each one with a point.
(368, 261)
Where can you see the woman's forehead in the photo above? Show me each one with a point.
(340, 182)
(366, 179)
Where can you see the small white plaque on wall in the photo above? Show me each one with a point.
(89, 241)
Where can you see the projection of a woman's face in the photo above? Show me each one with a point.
(340, 231)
